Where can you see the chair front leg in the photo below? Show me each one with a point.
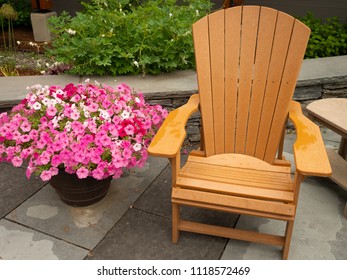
(175, 222)
(175, 167)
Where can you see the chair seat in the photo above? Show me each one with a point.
(236, 183)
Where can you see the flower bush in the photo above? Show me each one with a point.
(136, 37)
(88, 129)
(328, 37)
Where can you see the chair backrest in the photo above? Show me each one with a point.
(248, 59)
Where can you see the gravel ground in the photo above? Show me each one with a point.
(29, 58)
(26, 63)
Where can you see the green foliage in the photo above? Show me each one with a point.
(9, 69)
(7, 15)
(127, 36)
(328, 38)
(23, 9)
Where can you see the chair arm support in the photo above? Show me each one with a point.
(168, 140)
(309, 150)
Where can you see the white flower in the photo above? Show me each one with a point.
(136, 64)
(170, 15)
(197, 13)
(137, 147)
(125, 115)
(46, 101)
(55, 122)
(104, 114)
(68, 126)
(86, 113)
(33, 98)
(71, 31)
(37, 106)
(18, 42)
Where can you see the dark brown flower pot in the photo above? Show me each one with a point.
(79, 192)
(41, 4)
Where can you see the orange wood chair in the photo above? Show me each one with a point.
(248, 60)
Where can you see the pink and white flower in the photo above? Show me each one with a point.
(88, 129)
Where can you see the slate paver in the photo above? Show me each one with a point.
(316, 229)
(141, 235)
(85, 226)
(15, 188)
(21, 243)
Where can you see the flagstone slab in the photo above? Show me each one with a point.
(86, 226)
(319, 221)
(143, 236)
(15, 188)
(21, 243)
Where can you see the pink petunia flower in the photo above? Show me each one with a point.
(25, 126)
(82, 173)
(98, 174)
(51, 111)
(45, 175)
(17, 161)
(129, 129)
(93, 107)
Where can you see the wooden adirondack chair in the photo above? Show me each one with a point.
(248, 60)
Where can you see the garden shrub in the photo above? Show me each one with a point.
(124, 36)
(23, 9)
(327, 38)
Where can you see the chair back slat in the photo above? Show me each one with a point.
(217, 77)
(203, 61)
(248, 42)
(248, 60)
(232, 43)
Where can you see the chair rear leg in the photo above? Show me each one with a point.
(175, 222)
(288, 238)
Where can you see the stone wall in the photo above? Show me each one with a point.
(306, 92)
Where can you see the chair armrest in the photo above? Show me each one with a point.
(169, 138)
(309, 150)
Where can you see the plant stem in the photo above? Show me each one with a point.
(3, 33)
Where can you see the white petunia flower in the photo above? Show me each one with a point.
(125, 115)
(137, 147)
(37, 106)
